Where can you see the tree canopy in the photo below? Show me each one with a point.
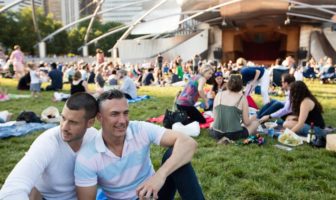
(17, 28)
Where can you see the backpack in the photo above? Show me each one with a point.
(28, 116)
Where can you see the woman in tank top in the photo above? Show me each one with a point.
(306, 110)
(230, 109)
(78, 85)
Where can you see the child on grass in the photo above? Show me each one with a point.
(35, 80)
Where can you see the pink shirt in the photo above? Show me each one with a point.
(17, 56)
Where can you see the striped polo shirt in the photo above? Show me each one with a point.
(119, 176)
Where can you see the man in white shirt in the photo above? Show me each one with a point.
(118, 159)
(47, 168)
(128, 86)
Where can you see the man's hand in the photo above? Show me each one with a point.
(150, 188)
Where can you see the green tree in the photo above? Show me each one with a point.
(18, 29)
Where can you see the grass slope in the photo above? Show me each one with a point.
(225, 172)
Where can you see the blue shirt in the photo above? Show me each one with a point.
(56, 79)
(248, 73)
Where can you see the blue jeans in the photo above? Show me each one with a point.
(305, 129)
(183, 180)
(210, 103)
(270, 108)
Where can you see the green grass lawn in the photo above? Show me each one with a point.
(225, 172)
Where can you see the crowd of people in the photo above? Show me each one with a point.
(74, 159)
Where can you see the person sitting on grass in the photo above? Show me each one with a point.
(78, 84)
(47, 168)
(127, 86)
(191, 92)
(56, 78)
(230, 108)
(275, 108)
(218, 86)
(118, 159)
(305, 110)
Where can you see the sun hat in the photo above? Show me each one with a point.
(51, 115)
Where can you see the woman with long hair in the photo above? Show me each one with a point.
(230, 108)
(218, 86)
(305, 110)
(192, 91)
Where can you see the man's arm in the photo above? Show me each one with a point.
(183, 151)
(305, 107)
(85, 177)
(283, 111)
(35, 195)
(28, 170)
(86, 193)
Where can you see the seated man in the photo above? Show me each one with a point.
(56, 78)
(49, 164)
(118, 160)
(148, 78)
(275, 105)
(127, 86)
(274, 110)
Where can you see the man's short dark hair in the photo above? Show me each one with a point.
(53, 65)
(83, 101)
(110, 94)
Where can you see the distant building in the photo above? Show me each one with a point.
(63, 10)
(87, 7)
(54, 7)
(38, 3)
(124, 15)
(70, 11)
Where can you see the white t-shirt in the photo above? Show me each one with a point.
(48, 165)
(34, 78)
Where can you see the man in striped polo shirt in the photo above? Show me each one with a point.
(118, 159)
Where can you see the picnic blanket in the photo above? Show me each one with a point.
(138, 98)
(18, 96)
(20, 129)
(4, 97)
(208, 119)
